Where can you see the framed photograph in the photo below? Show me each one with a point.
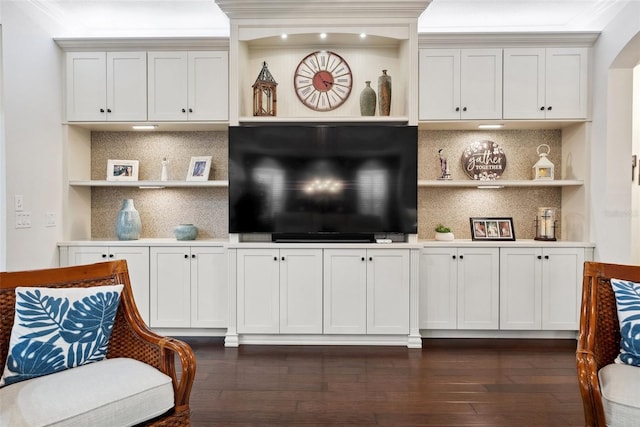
(199, 168)
(492, 229)
(122, 170)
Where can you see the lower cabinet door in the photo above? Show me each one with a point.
(562, 288)
(438, 292)
(170, 287)
(521, 288)
(478, 288)
(345, 291)
(300, 291)
(209, 289)
(388, 291)
(258, 288)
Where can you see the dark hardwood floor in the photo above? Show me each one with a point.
(447, 383)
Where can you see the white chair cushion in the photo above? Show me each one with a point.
(112, 392)
(620, 389)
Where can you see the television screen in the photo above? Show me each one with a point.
(323, 182)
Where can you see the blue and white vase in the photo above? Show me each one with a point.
(128, 224)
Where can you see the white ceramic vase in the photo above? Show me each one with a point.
(444, 237)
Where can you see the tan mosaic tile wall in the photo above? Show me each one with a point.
(454, 206)
(161, 210)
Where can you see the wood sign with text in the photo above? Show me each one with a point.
(484, 161)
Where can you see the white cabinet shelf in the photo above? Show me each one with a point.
(150, 184)
(400, 120)
(499, 183)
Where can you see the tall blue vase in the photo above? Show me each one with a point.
(128, 224)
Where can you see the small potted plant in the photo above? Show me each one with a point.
(443, 233)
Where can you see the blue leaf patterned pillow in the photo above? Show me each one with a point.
(628, 305)
(59, 328)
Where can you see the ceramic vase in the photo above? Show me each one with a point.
(368, 100)
(128, 224)
(384, 93)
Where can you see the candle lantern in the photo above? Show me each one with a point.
(543, 169)
(546, 224)
(264, 94)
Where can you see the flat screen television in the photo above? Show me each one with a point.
(323, 182)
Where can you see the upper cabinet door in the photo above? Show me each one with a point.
(524, 83)
(480, 84)
(168, 85)
(126, 86)
(208, 97)
(566, 83)
(460, 84)
(86, 86)
(439, 82)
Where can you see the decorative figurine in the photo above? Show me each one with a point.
(444, 166)
(164, 175)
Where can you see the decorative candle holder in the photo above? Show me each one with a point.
(546, 224)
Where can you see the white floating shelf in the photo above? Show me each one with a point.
(149, 184)
(499, 183)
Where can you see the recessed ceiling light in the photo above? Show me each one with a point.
(496, 126)
(144, 127)
(363, 35)
(283, 36)
(323, 36)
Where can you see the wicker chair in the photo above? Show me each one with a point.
(130, 336)
(599, 337)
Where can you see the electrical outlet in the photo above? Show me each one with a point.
(50, 219)
(23, 219)
(19, 203)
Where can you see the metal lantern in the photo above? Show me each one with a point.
(543, 169)
(264, 94)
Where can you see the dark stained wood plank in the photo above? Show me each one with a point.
(450, 382)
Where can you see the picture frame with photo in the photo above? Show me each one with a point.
(492, 228)
(199, 168)
(122, 170)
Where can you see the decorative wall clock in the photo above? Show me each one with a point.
(323, 80)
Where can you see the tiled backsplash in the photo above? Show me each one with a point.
(162, 209)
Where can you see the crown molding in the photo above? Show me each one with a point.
(142, 43)
(508, 39)
(322, 9)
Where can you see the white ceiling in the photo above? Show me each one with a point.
(148, 18)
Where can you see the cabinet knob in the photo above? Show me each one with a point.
(539, 256)
(461, 257)
(108, 110)
(542, 108)
(362, 258)
(104, 255)
(546, 257)
(191, 110)
(282, 258)
(457, 108)
(110, 255)
(370, 258)
(464, 109)
(186, 256)
(193, 255)
(549, 108)
(102, 110)
(275, 258)
(184, 111)
(453, 256)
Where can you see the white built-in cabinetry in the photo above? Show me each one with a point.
(106, 86)
(460, 84)
(540, 288)
(366, 291)
(188, 287)
(524, 288)
(189, 85)
(137, 258)
(279, 291)
(546, 83)
(459, 288)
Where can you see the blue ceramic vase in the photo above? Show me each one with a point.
(185, 232)
(128, 224)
